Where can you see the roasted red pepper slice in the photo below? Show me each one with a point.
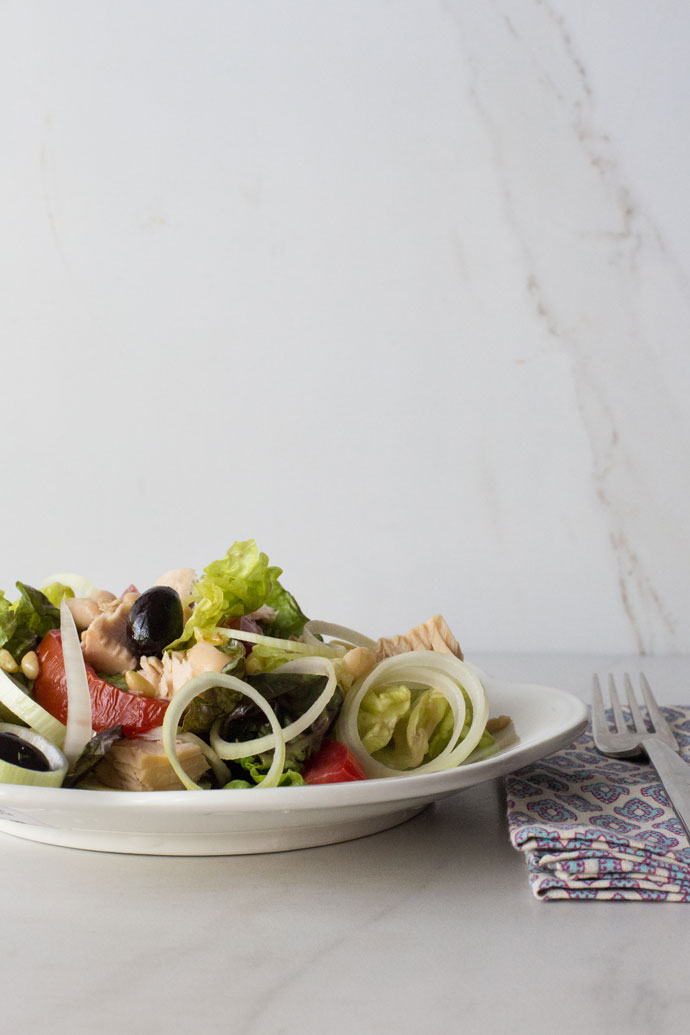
(333, 763)
(109, 705)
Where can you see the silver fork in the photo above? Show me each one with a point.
(657, 743)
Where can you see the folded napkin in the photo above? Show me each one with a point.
(600, 828)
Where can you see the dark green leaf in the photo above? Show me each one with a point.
(290, 694)
(297, 750)
(32, 616)
(95, 750)
(207, 707)
(8, 622)
(114, 679)
(236, 655)
(290, 620)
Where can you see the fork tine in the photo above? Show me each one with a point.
(660, 724)
(638, 721)
(616, 705)
(599, 724)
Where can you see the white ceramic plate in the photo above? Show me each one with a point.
(281, 818)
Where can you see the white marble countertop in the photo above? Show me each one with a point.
(429, 926)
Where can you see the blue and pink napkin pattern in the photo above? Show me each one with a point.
(600, 828)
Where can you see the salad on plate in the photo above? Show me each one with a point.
(219, 681)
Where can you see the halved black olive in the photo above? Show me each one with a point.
(155, 620)
(20, 752)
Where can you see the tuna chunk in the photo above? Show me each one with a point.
(142, 765)
(169, 673)
(433, 634)
(104, 642)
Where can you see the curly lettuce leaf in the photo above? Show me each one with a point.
(404, 728)
(379, 713)
(256, 768)
(443, 731)
(414, 731)
(26, 621)
(235, 585)
(265, 658)
(7, 622)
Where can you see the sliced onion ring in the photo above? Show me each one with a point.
(341, 632)
(318, 666)
(79, 731)
(58, 764)
(219, 767)
(17, 701)
(443, 672)
(186, 694)
(296, 646)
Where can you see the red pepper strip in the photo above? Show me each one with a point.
(109, 705)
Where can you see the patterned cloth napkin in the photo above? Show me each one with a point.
(600, 828)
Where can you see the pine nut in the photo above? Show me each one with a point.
(139, 684)
(7, 662)
(29, 664)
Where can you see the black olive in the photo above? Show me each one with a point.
(19, 752)
(154, 621)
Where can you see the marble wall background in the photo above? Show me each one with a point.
(399, 289)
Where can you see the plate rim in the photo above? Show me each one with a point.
(421, 786)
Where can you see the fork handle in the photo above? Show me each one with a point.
(674, 774)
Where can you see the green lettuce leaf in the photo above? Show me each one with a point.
(257, 768)
(289, 620)
(7, 620)
(235, 664)
(379, 713)
(26, 621)
(235, 585)
(404, 728)
(443, 731)
(265, 658)
(414, 731)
